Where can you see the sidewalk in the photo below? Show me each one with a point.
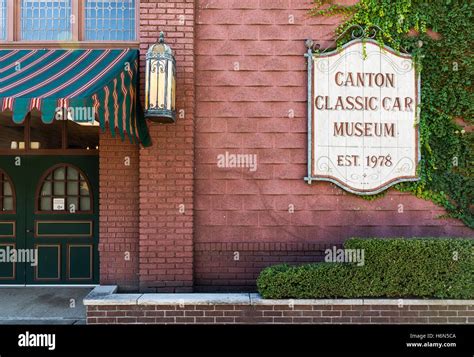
(43, 305)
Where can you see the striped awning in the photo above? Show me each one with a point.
(52, 81)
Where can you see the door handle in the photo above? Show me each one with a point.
(29, 231)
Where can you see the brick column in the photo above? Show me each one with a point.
(118, 248)
(166, 168)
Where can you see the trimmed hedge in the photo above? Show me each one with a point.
(395, 268)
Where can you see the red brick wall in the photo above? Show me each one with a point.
(118, 227)
(233, 267)
(250, 76)
(166, 168)
(281, 314)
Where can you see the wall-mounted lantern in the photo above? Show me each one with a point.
(160, 90)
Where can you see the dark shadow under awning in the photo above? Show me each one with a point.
(75, 83)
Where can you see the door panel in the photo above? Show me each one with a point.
(80, 261)
(58, 221)
(49, 263)
(12, 222)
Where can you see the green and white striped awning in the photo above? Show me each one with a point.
(54, 81)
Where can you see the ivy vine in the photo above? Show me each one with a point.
(440, 36)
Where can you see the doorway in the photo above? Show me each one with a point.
(49, 204)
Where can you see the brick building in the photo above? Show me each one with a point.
(170, 218)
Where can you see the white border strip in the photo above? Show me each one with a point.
(106, 295)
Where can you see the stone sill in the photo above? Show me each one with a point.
(106, 295)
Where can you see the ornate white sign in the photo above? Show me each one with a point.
(363, 132)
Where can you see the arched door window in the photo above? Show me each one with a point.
(64, 189)
(7, 194)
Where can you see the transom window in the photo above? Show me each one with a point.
(65, 190)
(7, 196)
(3, 20)
(46, 20)
(68, 20)
(35, 137)
(110, 20)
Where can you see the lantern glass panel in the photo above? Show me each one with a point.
(161, 84)
(160, 96)
(153, 84)
(173, 95)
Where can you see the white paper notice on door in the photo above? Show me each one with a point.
(58, 204)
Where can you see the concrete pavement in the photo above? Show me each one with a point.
(42, 305)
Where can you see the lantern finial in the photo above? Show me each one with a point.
(162, 37)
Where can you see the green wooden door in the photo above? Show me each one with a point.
(56, 219)
(12, 219)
